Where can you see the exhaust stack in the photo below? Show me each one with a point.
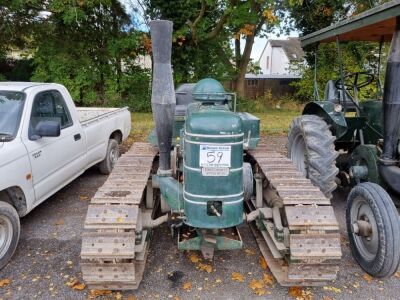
(163, 93)
(388, 168)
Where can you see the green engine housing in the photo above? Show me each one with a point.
(213, 166)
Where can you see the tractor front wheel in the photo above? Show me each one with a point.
(311, 147)
(374, 230)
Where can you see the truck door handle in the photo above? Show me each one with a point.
(77, 137)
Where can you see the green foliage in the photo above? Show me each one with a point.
(92, 51)
(16, 69)
(267, 102)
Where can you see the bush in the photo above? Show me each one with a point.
(268, 102)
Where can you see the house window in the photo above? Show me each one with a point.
(267, 62)
(252, 82)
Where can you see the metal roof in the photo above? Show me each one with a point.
(372, 25)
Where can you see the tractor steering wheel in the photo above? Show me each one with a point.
(351, 81)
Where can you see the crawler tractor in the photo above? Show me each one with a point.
(341, 140)
(204, 172)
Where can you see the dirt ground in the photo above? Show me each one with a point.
(47, 259)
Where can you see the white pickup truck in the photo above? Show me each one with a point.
(45, 143)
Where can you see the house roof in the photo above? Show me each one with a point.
(290, 46)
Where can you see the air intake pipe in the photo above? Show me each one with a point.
(388, 164)
(163, 94)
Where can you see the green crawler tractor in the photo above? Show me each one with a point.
(204, 172)
(341, 140)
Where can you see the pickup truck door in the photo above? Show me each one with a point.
(55, 161)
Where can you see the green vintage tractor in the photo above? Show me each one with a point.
(340, 140)
(204, 172)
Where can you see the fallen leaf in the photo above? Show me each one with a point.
(327, 298)
(236, 276)
(130, 297)
(250, 252)
(120, 219)
(205, 267)
(4, 282)
(69, 262)
(194, 258)
(187, 286)
(263, 263)
(59, 222)
(368, 278)
(118, 296)
(260, 292)
(75, 284)
(218, 280)
(332, 289)
(268, 279)
(83, 198)
(256, 284)
(96, 293)
(397, 274)
(356, 285)
(300, 294)
(295, 291)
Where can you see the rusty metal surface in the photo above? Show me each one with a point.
(111, 256)
(314, 244)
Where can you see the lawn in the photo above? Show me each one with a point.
(273, 122)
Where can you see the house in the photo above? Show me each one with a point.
(279, 55)
(275, 63)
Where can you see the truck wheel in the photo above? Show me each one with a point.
(107, 165)
(374, 230)
(312, 150)
(9, 232)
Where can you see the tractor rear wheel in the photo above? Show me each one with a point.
(374, 230)
(312, 150)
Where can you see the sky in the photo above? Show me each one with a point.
(258, 46)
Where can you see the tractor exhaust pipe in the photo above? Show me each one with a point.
(388, 168)
(163, 94)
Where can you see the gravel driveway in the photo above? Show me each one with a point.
(47, 259)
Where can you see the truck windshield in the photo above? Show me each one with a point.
(11, 105)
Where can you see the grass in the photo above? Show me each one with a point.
(273, 122)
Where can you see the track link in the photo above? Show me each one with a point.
(310, 254)
(114, 246)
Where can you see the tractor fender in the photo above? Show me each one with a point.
(326, 111)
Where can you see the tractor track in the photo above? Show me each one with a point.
(314, 240)
(114, 248)
(114, 252)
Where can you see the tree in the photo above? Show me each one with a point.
(90, 47)
(204, 30)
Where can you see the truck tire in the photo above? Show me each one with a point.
(376, 247)
(312, 150)
(9, 232)
(107, 165)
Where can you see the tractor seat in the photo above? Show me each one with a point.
(184, 97)
(332, 94)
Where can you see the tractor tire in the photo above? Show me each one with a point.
(112, 155)
(9, 232)
(376, 248)
(312, 150)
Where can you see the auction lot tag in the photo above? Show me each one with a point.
(215, 156)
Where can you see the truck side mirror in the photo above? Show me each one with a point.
(47, 128)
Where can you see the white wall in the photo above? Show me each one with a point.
(278, 62)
